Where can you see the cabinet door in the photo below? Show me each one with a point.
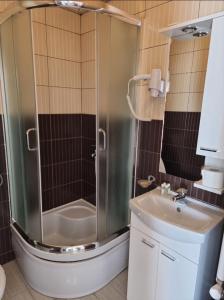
(211, 132)
(176, 276)
(143, 261)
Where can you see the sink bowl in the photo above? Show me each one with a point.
(186, 222)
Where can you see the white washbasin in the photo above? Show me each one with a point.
(188, 222)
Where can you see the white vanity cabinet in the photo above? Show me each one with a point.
(143, 268)
(176, 276)
(165, 269)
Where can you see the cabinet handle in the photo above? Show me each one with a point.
(208, 149)
(168, 255)
(144, 241)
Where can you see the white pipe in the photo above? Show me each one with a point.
(216, 291)
(136, 77)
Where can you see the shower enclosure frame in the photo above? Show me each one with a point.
(108, 10)
(76, 271)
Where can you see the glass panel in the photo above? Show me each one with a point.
(117, 51)
(20, 118)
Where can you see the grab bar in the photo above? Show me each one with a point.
(28, 139)
(104, 139)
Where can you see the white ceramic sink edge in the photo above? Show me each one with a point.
(189, 223)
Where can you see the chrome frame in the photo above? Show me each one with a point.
(96, 6)
(66, 249)
(100, 7)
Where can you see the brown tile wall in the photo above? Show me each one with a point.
(179, 145)
(88, 161)
(150, 135)
(67, 168)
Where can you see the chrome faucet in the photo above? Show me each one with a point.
(181, 194)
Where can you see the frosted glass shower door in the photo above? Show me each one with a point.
(116, 59)
(21, 123)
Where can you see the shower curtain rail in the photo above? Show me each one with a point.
(95, 6)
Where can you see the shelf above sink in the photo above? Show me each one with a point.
(199, 185)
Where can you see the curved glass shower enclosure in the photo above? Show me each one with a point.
(68, 129)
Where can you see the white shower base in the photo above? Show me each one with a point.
(71, 224)
(70, 275)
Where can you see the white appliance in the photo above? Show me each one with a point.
(217, 290)
(212, 177)
(157, 88)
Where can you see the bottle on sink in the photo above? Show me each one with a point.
(165, 188)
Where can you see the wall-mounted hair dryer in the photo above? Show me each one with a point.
(157, 87)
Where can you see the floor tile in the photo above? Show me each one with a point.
(90, 297)
(14, 283)
(23, 296)
(37, 296)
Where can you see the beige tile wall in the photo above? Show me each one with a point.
(158, 14)
(155, 14)
(57, 49)
(64, 48)
(187, 66)
(6, 4)
(88, 56)
(3, 6)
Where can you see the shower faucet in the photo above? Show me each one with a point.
(181, 194)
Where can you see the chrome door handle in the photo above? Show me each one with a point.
(28, 139)
(170, 257)
(144, 241)
(104, 139)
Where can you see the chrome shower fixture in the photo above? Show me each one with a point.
(78, 4)
(101, 7)
(95, 6)
(200, 33)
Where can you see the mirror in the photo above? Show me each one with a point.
(187, 67)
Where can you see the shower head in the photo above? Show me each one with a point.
(96, 6)
(101, 7)
(93, 5)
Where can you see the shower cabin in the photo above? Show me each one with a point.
(70, 144)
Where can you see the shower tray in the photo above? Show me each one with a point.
(70, 224)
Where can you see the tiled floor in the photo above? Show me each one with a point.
(18, 289)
